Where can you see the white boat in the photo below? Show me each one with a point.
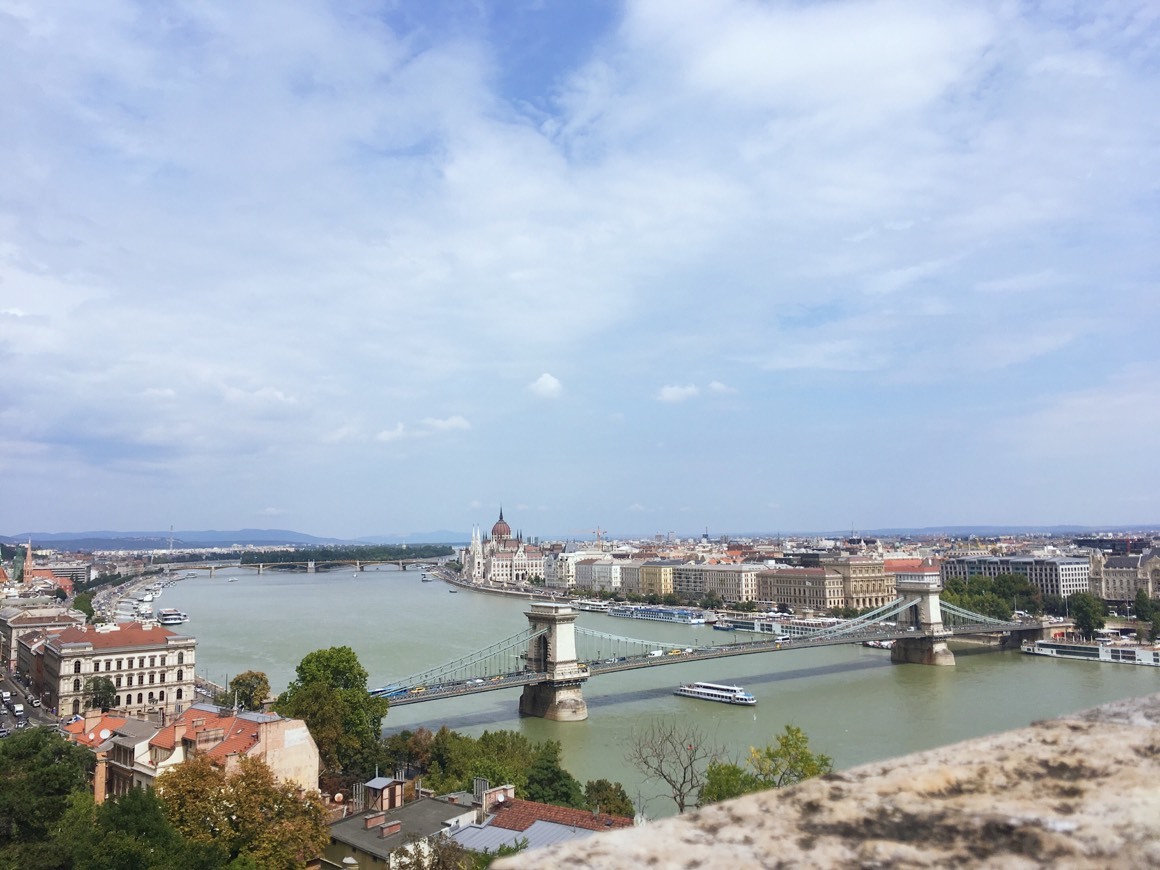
(1126, 654)
(717, 692)
(683, 615)
(171, 616)
(593, 605)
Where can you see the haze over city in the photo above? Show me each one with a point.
(371, 268)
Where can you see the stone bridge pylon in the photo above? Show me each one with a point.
(559, 696)
(929, 644)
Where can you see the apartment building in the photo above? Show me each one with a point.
(1059, 575)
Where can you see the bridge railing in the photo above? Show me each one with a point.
(466, 666)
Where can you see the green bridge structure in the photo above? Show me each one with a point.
(553, 657)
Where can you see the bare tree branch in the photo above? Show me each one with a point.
(677, 755)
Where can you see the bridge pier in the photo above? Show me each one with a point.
(558, 697)
(261, 569)
(310, 569)
(925, 616)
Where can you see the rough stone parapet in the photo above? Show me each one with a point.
(1076, 792)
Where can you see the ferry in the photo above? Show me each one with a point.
(593, 605)
(658, 614)
(1127, 654)
(724, 626)
(171, 616)
(716, 692)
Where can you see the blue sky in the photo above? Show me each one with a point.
(357, 268)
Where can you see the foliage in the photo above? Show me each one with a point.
(675, 754)
(38, 770)
(549, 783)
(786, 761)
(249, 814)
(1143, 605)
(100, 692)
(330, 695)
(1154, 630)
(711, 601)
(996, 597)
(250, 688)
(84, 603)
(454, 759)
(1054, 605)
(1087, 611)
(602, 796)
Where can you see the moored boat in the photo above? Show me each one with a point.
(683, 615)
(716, 692)
(1126, 654)
(171, 616)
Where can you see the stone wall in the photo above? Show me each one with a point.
(1080, 791)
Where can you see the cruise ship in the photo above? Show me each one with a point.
(171, 616)
(1126, 654)
(716, 692)
(683, 615)
(592, 605)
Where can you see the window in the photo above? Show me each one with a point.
(119, 661)
(77, 666)
(108, 664)
(151, 679)
(161, 677)
(140, 679)
(179, 694)
(161, 696)
(118, 685)
(141, 662)
(140, 698)
(180, 659)
(152, 661)
(179, 674)
(118, 701)
(76, 685)
(162, 661)
(97, 666)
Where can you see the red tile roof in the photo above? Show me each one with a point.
(127, 634)
(238, 735)
(93, 738)
(518, 815)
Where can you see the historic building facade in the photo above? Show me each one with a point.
(502, 558)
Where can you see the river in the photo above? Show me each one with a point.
(854, 705)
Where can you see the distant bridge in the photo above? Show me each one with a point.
(553, 657)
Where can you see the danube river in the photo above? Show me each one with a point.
(853, 704)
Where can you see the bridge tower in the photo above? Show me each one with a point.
(929, 645)
(558, 697)
(310, 567)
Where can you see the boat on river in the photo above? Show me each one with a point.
(716, 692)
(171, 616)
(1126, 654)
(592, 605)
(683, 615)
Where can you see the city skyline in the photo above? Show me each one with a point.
(641, 266)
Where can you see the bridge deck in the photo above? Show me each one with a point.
(439, 691)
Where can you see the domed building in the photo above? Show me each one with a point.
(501, 559)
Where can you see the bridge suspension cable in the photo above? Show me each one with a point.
(475, 664)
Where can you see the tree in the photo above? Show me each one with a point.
(1087, 611)
(330, 695)
(248, 814)
(786, 761)
(1143, 605)
(101, 692)
(675, 754)
(84, 603)
(38, 770)
(602, 796)
(250, 689)
(549, 783)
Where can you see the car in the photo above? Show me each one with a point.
(35, 702)
(4, 732)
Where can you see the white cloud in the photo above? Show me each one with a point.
(546, 386)
(675, 393)
(272, 512)
(395, 434)
(447, 424)
(718, 387)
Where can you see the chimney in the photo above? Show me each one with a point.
(389, 828)
(178, 732)
(92, 717)
(371, 820)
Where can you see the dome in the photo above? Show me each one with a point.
(501, 531)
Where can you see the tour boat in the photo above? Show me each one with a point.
(717, 692)
(659, 614)
(1128, 654)
(171, 616)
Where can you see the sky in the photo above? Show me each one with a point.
(357, 268)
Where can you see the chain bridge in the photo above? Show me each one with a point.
(552, 658)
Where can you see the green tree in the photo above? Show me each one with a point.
(250, 689)
(38, 771)
(549, 783)
(1054, 605)
(602, 796)
(1088, 613)
(1143, 605)
(248, 814)
(786, 761)
(100, 692)
(84, 603)
(330, 695)
(725, 781)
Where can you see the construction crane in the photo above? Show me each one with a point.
(596, 531)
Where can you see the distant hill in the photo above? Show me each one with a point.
(109, 540)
